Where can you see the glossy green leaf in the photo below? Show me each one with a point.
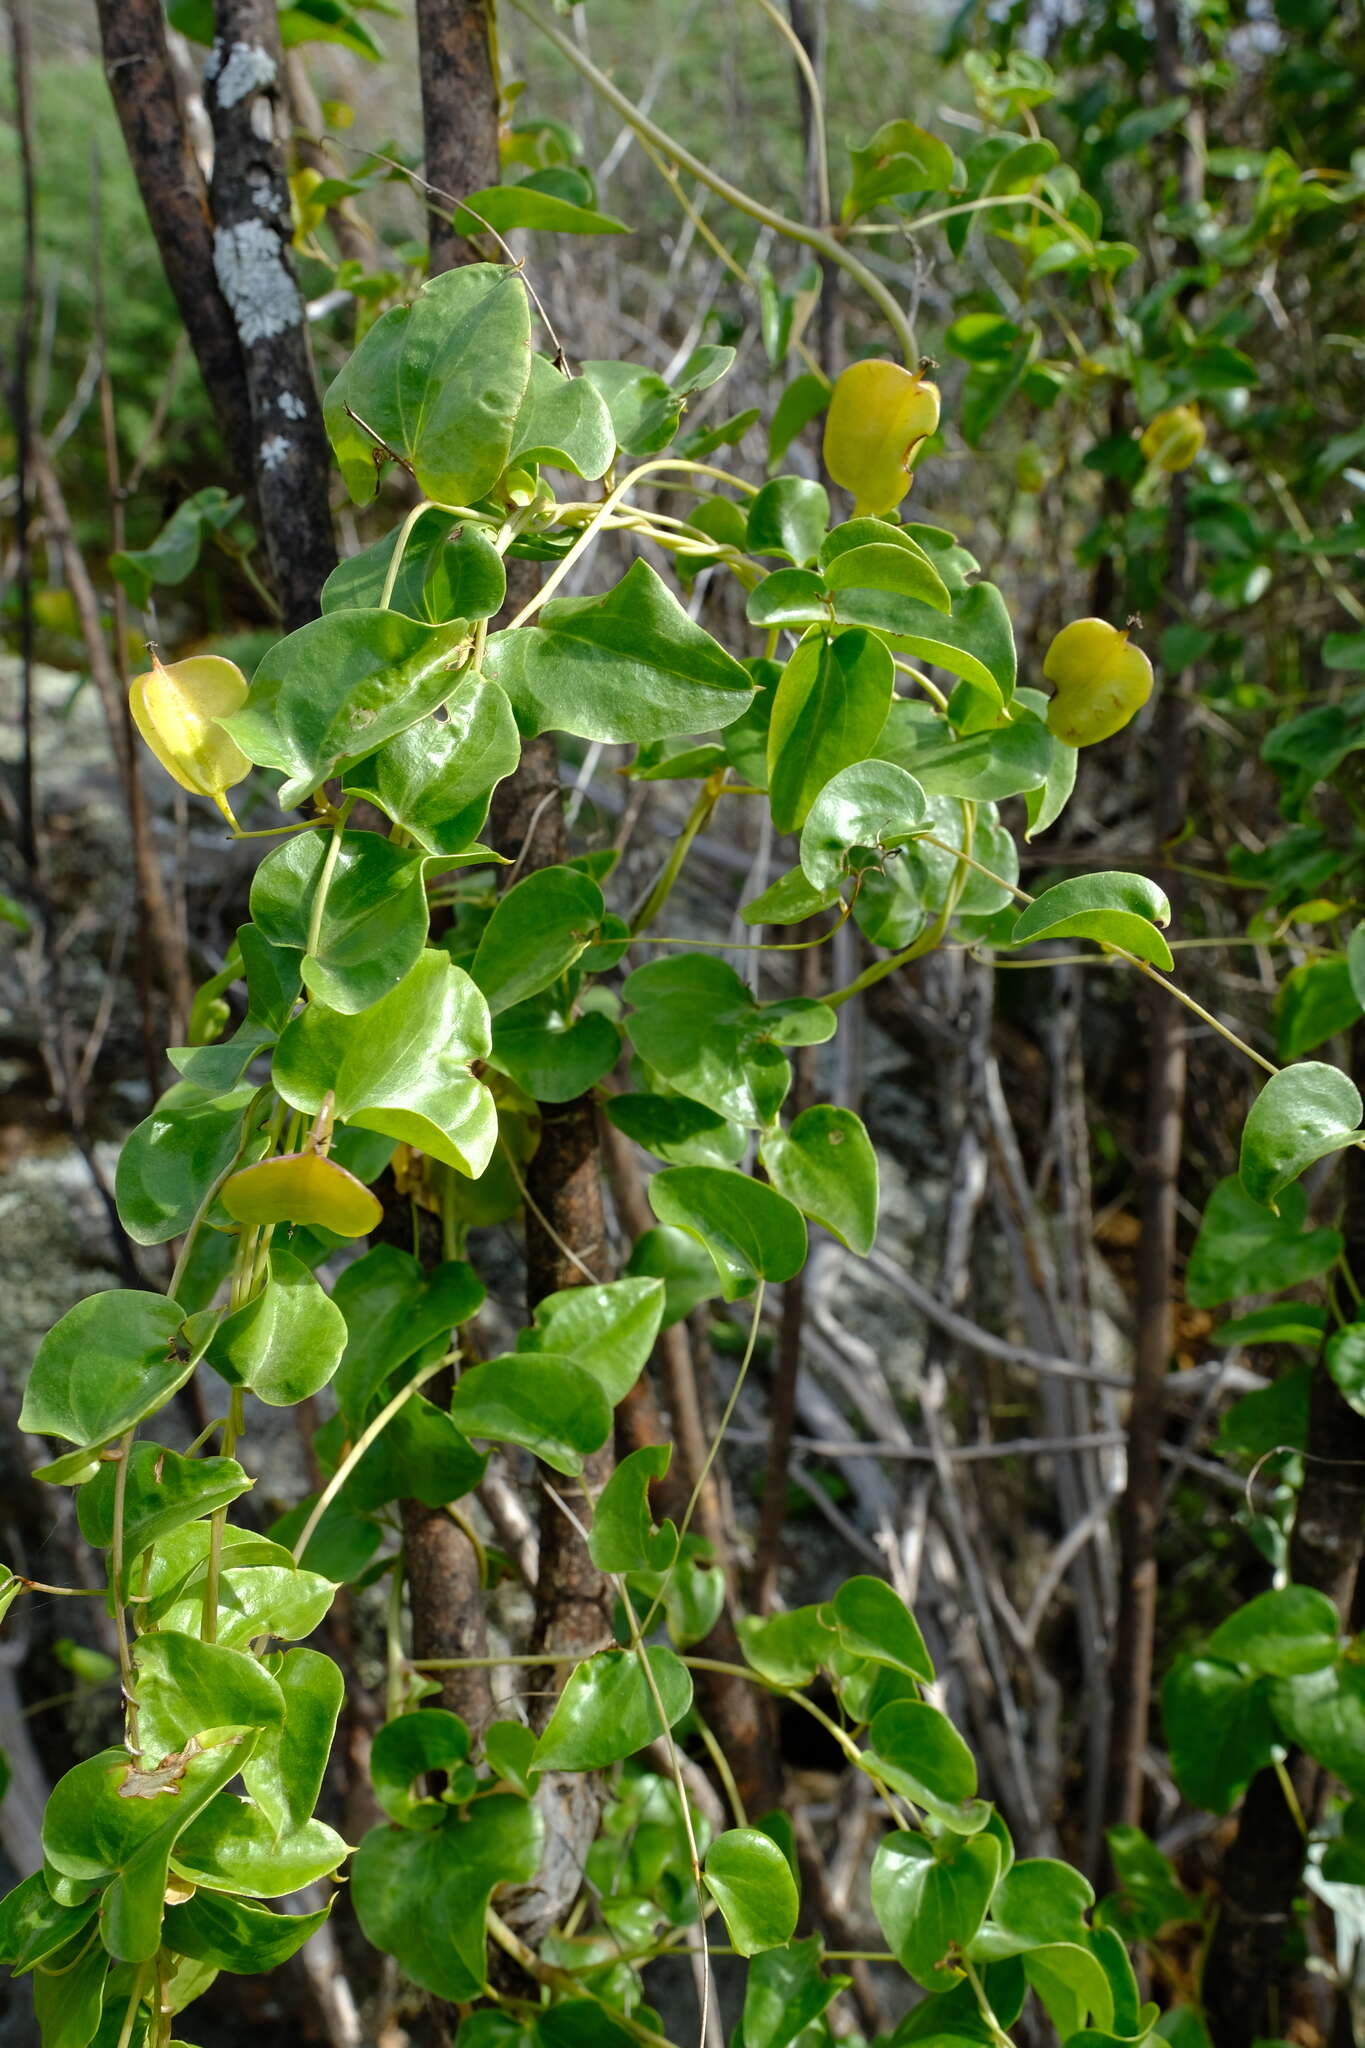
(791, 899)
(788, 1649)
(507, 207)
(408, 1749)
(789, 597)
(422, 1896)
(449, 570)
(874, 1622)
(919, 1752)
(1071, 1986)
(998, 761)
(162, 1491)
(623, 1536)
(100, 1828)
(69, 1993)
(337, 688)
(751, 1232)
(541, 925)
(1316, 1001)
(564, 423)
(899, 158)
(607, 1709)
(509, 1749)
(233, 1846)
(435, 778)
(188, 1690)
(1282, 1322)
(233, 1935)
(175, 551)
(899, 566)
(751, 1881)
(272, 979)
(109, 1362)
(785, 1992)
(285, 1770)
(679, 1131)
(825, 1163)
(1303, 1114)
(1245, 1248)
(606, 1327)
(374, 921)
(1116, 909)
(173, 1157)
(1344, 1358)
(287, 1341)
(697, 1025)
(401, 1066)
(869, 809)
(33, 1923)
(393, 1308)
(1324, 1713)
(420, 1455)
(1219, 1730)
(831, 704)
(930, 1898)
(552, 1054)
(627, 666)
(975, 641)
(789, 517)
(683, 1264)
(1282, 1633)
(1037, 1901)
(442, 382)
(547, 1404)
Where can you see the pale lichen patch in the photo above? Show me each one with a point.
(255, 281)
(246, 68)
(274, 451)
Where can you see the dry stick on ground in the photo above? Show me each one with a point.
(1164, 1119)
(154, 920)
(1262, 1871)
(254, 265)
(137, 65)
(174, 967)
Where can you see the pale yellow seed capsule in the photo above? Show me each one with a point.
(1174, 438)
(879, 415)
(1102, 681)
(302, 1187)
(175, 709)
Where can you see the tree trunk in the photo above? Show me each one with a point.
(137, 65)
(253, 262)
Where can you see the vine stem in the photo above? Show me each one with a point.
(191, 1236)
(232, 1429)
(817, 103)
(329, 865)
(555, 1979)
(881, 968)
(819, 239)
(704, 803)
(125, 1658)
(367, 1436)
(400, 548)
(602, 516)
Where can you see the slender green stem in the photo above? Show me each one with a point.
(997, 2032)
(602, 516)
(125, 1658)
(367, 1436)
(817, 104)
(911, 222)
(329, 865)
(819, 239)
(208, 1627)
(720, 1764)
(1291, 1797)
(555, 1979)
(400, 548)
(702, 806)
(190, 1238)
(393, 1642)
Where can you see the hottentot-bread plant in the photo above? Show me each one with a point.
(372, 1040)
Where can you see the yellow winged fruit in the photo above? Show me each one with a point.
(302, 1187)
(879, 416)
(1102, 681)
(175, 710)
(1173, 439)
